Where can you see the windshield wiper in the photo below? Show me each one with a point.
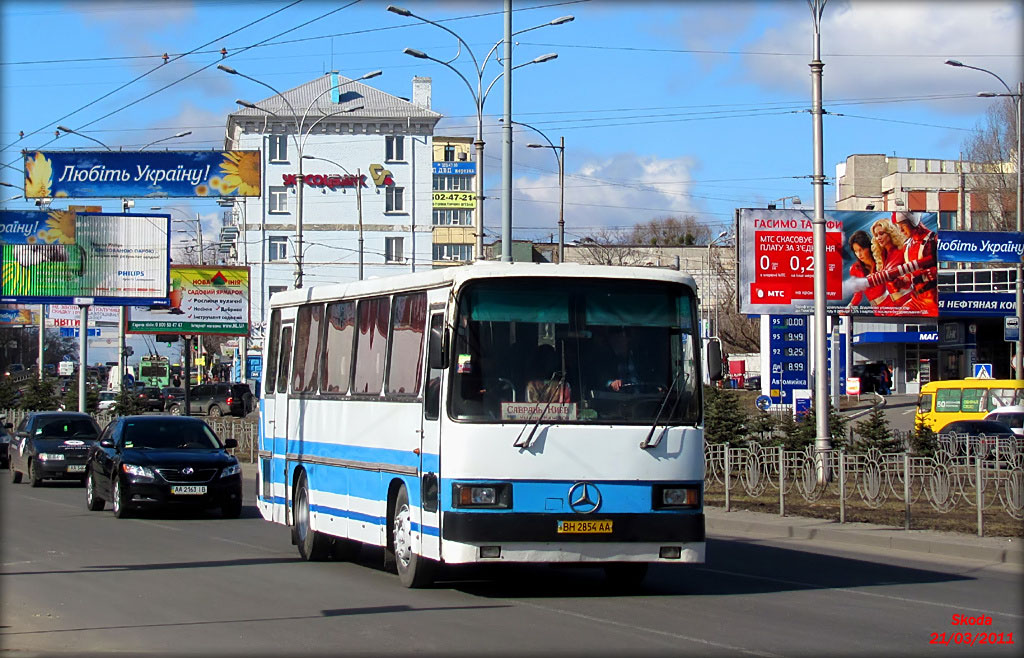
(650, 441)
(519, 443)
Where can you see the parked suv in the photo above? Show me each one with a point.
(220, 400)
(151, 398)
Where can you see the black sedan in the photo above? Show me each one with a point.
(51, 444)
(152, 398)
(142, 462)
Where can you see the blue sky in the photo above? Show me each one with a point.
(667, 109)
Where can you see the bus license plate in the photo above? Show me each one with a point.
(76, 468)
(585, 527)
(190, 490)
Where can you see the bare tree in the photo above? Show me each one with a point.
(994, 148)
(737, 332)
(670, 231)
(609, 248)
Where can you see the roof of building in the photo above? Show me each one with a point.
(376, 104)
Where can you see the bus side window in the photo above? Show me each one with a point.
(285, 360)
(972, 400)
(947, 400)
(270, 376)
(924, 403)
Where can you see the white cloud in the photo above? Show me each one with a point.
(873, 48)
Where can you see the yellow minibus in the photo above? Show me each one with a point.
(942, 402)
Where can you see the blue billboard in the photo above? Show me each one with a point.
(160, 174)
(454, 168)
(981, 246)
(788, 357)
(977, 304)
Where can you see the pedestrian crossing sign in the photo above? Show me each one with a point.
(983, 370)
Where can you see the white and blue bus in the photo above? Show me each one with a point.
(498, 412)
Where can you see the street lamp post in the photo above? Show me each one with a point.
(1018, 356)
(479, 97)
(164, 139)
(795, 199)
(198, 223)
(75, 132)
(300, 142)
(359, 203)
(560, 151)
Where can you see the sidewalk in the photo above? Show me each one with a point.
(740, 523)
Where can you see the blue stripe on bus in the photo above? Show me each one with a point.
(547, 496)
(356, 516)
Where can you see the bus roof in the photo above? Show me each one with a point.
(456, 276)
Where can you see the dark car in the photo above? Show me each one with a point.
(151, 398)
(5, 440)
(158, 461)
(174, 398)
(981, 436)
(51, 444)
(220, 400)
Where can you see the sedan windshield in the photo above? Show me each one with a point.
(163, 435)
(575, 351)
(67, 428)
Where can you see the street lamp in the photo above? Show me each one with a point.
(299, 144)
(75, 132)
(479, 98)
(1018, 357)
(164, 139)
(198, 223)
(561, 183)
(359, 203)
(795, 199)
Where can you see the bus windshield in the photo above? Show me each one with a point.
(575, 351)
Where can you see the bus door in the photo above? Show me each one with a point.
(274, 416)
(430, 440)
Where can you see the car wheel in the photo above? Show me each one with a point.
(231, 509)
(15, 475)
(215, 411)
(175, 410)
(34, 478)
(118, 499)
(413, 570)
(313, 546)
(92, 501)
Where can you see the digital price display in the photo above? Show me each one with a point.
(788, 356)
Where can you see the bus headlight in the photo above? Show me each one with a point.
(487, 495)
(676, 496)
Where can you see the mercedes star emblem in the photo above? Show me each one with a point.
(584, 498)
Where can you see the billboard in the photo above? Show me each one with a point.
(63, 256)
(14, 315)
(981, 247)
(454, 199)
(142, 174)
(204, 299)
(877, 263)
(69, 315)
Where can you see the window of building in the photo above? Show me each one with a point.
(444, 182)
(394, 250)
(371, 344)
(277, 147)
(394, 148)
(408, 321)
(277, 248)
(449, 153)
(341, 329)
(278, 199)
(307, 343)
(452, 217)
(947, 220)
(456, 252)
(394, 199)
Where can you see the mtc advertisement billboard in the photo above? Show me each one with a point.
(877, 263)
(62, 256)
(142, 174)
(205, 299)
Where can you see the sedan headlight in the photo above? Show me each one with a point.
(234, 469)
(137, 471)
(51, 456)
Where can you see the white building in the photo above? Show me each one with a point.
(350, 134)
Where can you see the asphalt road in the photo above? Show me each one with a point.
(76, 582)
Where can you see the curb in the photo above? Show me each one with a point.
(987, 549)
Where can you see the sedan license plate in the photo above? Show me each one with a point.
(585, 527)
(76, 468)
(188, 490)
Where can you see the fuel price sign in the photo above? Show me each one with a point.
(788, 360)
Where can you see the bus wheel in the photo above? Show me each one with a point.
(413, 570)
(625, 574)
(313, 546)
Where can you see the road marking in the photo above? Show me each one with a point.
(655, 631)
(901, 599)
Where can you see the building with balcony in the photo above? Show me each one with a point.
(366, 160)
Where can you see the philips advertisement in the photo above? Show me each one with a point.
(878, 263)
(981, 247)
(62, 256)
(160, 174)
(204, 299)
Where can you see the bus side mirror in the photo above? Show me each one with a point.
(714, 360)
(436, 350)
